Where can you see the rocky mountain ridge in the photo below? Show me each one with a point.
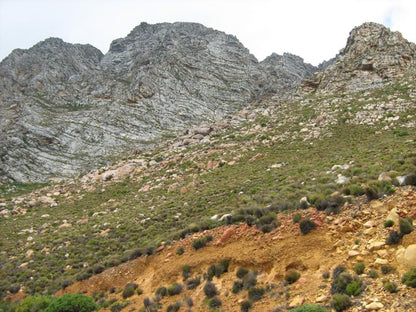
(66, 109)
(373, 56)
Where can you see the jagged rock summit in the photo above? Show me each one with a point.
(66, 108)
(372, 56)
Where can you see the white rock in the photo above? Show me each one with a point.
(374, 306)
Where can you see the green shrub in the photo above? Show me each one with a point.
(180, 251)
(356, 190)
(354, 289)
(409, 278)
(128, 292)
(117, 306)
(292, 276)
(83, 276)
(386, 269)
(71, 303)
(250, 280)
(389, 286)
(372, 192)
(388, 223)
(66, 283)
(339, 284)
(217, 270)
(340, 302)
(33, 304)
(255, 294)
(359, 268)
(186, 271)
(373, 274)
(246, 306)
(237, 287)
(161, 291)
(406, 226)
(173, 307)
(201, 242)
(193, 283)
(241, 272)
(210, 290)
(215, 303)
(296, 217)
(97, 269)
(306, 226)
(338, 270)
(393, 238)
(175, 289)
(309, 308)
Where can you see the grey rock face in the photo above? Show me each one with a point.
(66, 108)
(373, 56)
(284, 72)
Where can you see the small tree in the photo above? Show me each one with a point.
(71, 303)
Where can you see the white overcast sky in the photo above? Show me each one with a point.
(313, 29)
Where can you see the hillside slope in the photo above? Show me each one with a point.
(67, 109)
(344, 160)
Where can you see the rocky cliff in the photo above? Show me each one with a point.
(67, 108)
(373, 56)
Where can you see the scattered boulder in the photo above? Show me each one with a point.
(406, 257)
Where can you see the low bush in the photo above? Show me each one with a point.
(246, 306)
(116, 306)
(241, 272)
(218, 269)
(292, 276)
(309, 308)
(338, 270)
(389, 286)
(66, 283)
(340, 302)
(215, 303)
(359, 268)
(296, 217)
(193, 283)
(393, 238)
(339, 284)
(161, 291)
(250, 280)
(173, 307)
(354, 288)
(237, 287)
(306, 226)
(175, 289)
(210, 290)
(406, 226)
(255, 293)
(386, 269)
(180, 251)
(372, 273)
(97, 269)
(201, 242)
(33, 304)
(186, 271)
(409, 278)
(71, 303)
(388, 223)
(129, 290)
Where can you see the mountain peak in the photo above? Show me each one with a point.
(373, 55)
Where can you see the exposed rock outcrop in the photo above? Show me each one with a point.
(67, 108)
(374, 55)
